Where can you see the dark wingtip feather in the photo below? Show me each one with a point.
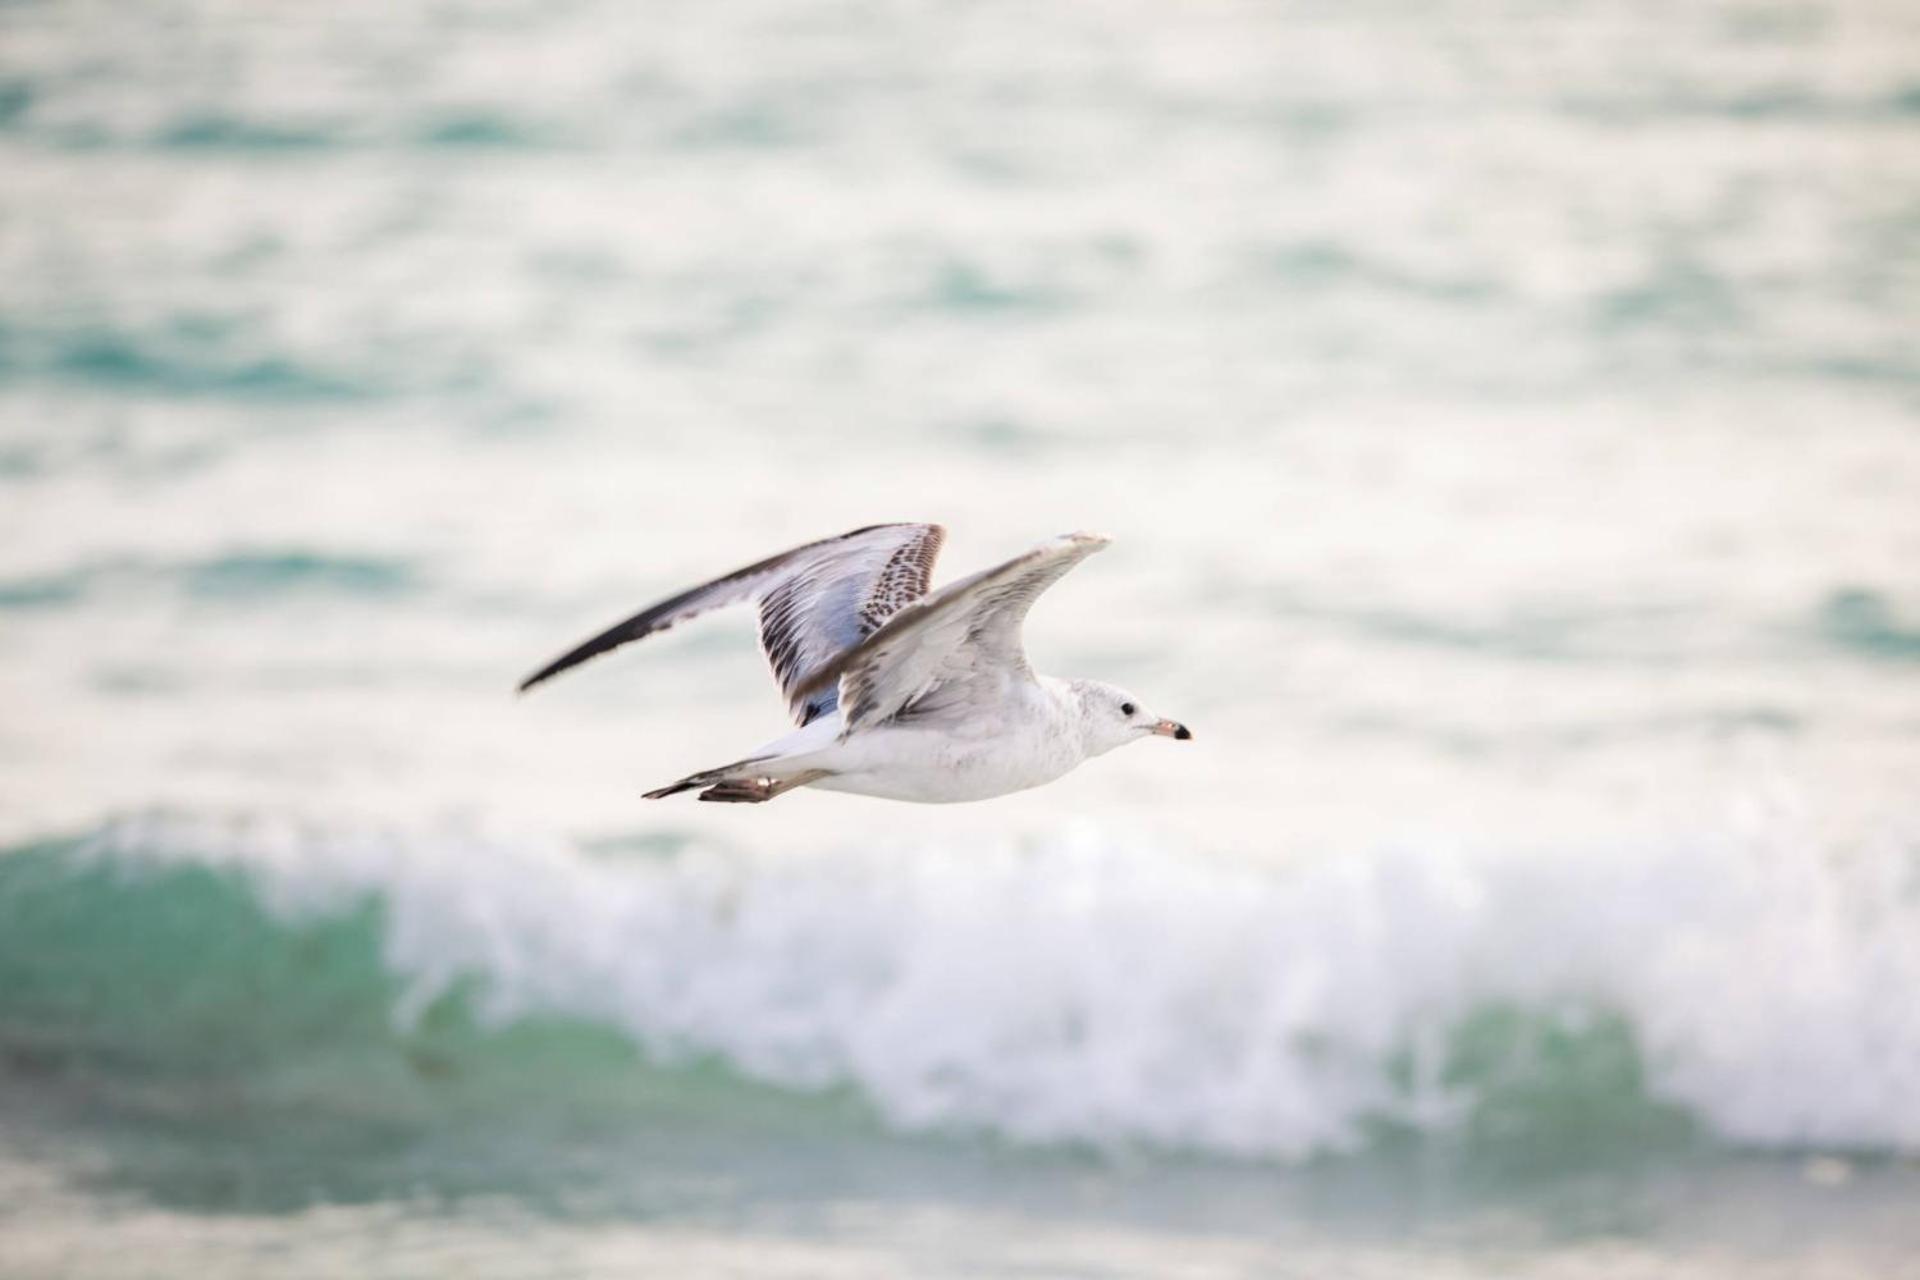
(552, 669)
(664, 615)
(645, 623)
(572, 657)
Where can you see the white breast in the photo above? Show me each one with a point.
(1032, 740)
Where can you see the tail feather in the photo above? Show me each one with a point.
(750, 781)
(705, 778)
(758, 789)
(673, 788)
(742, 792)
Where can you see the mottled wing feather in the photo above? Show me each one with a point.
(815, 601)
(819, 611)
(930, 649)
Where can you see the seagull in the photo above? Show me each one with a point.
(898, 692)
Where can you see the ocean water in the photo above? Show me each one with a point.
(1508, 417)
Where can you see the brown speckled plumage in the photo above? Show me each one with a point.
(902, 692)
(816, 600)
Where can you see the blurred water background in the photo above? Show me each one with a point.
(1509, 416)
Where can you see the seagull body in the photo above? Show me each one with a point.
(899, 692)
(1031, 737)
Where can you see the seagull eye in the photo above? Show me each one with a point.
(1127, 708)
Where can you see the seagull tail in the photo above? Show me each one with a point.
(749, 781)
(774, 767)
(705, 778)
(675, 788)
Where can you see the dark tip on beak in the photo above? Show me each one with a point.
(1181, 733)
(1172, 729)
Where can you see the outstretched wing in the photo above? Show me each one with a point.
(928, 652)
(816, 601)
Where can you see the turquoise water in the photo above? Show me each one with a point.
(233, 1059)
(1509, 421)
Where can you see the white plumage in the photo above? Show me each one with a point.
(899, 692)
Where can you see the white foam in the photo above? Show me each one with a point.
(1083, 989)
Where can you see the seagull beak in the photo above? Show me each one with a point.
(1172, 729)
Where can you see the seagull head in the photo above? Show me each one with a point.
(1112, 717)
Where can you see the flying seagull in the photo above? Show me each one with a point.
(898, 692)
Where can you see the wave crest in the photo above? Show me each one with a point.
(1082, 990)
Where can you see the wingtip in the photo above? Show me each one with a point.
(532, 682)
(1087, 538)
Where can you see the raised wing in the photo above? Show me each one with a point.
(816, 601)
(967, 630)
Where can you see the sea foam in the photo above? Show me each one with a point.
(1083, 989)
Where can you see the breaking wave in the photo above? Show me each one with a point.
(1754, 994)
